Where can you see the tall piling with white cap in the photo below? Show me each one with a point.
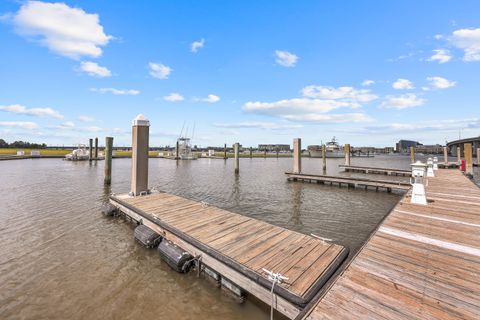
(467, 152)
(297, 155)
(140, 136)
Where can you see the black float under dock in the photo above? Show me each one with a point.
(239, 248)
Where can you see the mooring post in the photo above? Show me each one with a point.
(177, 154)
(445, 154)
(412, 155)
(459, 154)
(467, 152)
(297, 155)
(96, 148)
(347, 154)
(250, 152)
(236, 151)
(225, 151)
(277, 152)
(140, 135)
(108, 160)
(265, 153)
(90, 149)
(324, 158)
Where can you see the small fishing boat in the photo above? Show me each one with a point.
(332, 150)
(79, 154)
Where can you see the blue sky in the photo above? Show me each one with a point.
(366, 72)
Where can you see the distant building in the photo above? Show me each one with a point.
(433, 148)
(404, 145)
(274, 147)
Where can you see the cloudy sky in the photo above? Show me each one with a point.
(366, 72)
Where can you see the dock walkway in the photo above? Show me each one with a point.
(385, 171)
(423, 262)
(238, 247)
(387, 185)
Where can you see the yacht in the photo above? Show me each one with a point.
(332, 150)
(79, 154)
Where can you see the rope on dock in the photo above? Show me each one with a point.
(275, 278)
(204, 204)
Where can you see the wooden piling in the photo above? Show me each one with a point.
(90, 149)
(459, 154)
(478, 157)
(467, 152)
(96, 148)
(140, 135)
(225, 151)
(324, 158)
(277, 152)
(346, 148)
(297, 155)
(108, 160)
(177, 151)
(250, 152)
(412, 155)
(445, 154)
(265, 153)
(236, 151)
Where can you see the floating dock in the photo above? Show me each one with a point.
(387, 185)
(373, 170)
(238, 248)
(423, 262)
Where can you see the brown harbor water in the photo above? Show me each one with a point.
(61, 259)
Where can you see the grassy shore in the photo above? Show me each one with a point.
(43, 152)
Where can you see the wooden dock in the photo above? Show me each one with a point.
(238, 247)
(387, 185)
(423, 262)
(373, 170)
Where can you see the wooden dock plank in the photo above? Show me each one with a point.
(251, 243)
(423, 262)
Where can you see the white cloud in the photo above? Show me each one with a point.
(20, 124)
(367, 83)
(438, 36)
(67, 31)
(211, 98)
(174, 97)
(86, 119)
(93, 69)
(258, 125)
(441, 55)
(404, 101)
(114, 91)
(159, 71)
(296, 105)
(469, 41)
(93, 129)
(196, 45)
(330, 118)
(65, 126)
(38, 112)
(285, 58)
(345, 93)
(440, 83)
(402, 84)
(433, 125)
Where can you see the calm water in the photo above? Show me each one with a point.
(61, 259)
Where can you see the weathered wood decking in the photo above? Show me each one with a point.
(374, 170)
(387, 185)
(423, 262)
(238, 247)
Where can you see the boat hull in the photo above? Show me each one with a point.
(328, 154)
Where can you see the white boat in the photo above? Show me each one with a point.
(79, 154)
(185, 149)
(332, 150)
